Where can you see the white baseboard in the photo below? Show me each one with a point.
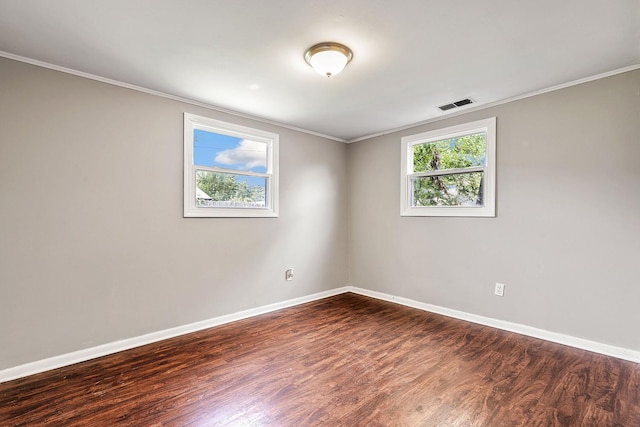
(593, 346)
(117, 346)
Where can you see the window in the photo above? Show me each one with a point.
(229, 170)
(450, 172)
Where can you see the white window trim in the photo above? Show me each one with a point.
(192, 122)
(489, 186)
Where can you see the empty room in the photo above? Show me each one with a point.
(305, 213)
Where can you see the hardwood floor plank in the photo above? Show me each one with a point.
(346, 360)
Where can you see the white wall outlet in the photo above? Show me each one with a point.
(288, 275)
(499, 290)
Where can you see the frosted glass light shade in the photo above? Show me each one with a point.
(328, 59)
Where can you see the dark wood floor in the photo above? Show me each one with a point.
(347, 360)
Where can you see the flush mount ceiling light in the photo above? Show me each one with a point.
(328, 58)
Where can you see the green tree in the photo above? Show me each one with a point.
(449, 189)
(225, 187)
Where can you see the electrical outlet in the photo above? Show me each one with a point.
(288, 275)
(499, 290)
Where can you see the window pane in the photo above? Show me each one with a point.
(465, 189)
(460, 152)
(225, 190)
(229, 152)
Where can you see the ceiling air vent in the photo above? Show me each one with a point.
(456, 104)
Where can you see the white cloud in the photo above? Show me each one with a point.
(249, 154)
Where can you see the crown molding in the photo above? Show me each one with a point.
(162, 94)
(212, 107)
(500, 102)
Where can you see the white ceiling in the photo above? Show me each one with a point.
(410, 56)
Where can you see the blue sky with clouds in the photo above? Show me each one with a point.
(229, 152)
(214, 149)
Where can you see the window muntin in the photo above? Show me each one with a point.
(230, 170)
(450, 172)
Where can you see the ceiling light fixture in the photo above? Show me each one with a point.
(328, 58)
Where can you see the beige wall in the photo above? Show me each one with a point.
(94, 248)
(566, 239)
(93, 245)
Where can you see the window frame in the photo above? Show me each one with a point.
(489, 171)
(191, 210)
